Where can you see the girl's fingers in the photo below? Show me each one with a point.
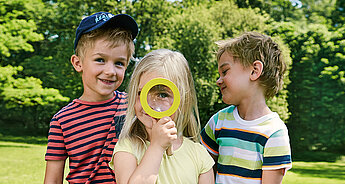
(164, 120)
(170, 124)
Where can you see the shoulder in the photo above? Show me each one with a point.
(125, 145)
(120, 95)
(273, 126)
(128, 146)
(194, 146)
(66, 109)
(223, 115)
(199, 152)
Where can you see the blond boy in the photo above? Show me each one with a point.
(249, 142)
(87, 129)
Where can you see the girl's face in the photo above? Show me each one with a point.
(139, 111)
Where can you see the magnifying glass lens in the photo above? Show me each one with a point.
(160, 98)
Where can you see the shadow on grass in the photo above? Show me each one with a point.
(316, 156)
(321, 170)
(13, 146)
(24, 139)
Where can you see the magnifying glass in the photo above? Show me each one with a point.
(159, 98)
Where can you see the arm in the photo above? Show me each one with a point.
(125, 164)
(127, 170)
(54, 172)
(206, 178)
(272, 176)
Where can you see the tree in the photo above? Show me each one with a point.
(316, 93)
(194, 32)
(23, 101)
(18, 31)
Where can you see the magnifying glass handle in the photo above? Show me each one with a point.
(169, 151)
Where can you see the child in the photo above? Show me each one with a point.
(86, 130)
(249, 142)
(139, 156)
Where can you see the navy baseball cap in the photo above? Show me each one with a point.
(99, 19)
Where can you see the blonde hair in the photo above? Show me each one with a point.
(253, 46)
(115, 37)
(173, 66)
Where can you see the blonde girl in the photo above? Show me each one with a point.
(139, 156)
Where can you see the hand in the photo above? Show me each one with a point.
(163, 133)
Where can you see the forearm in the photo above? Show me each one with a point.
(54, 172)
(148, 169)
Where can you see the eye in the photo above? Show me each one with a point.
(163, 95)
(100, 60)
(224, 72)
(120, 63)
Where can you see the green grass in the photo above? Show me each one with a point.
(22, 161)
(316, 173)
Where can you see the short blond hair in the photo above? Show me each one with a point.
(253, 46)
(115, 37)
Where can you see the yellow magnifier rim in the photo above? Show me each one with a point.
(145, 91)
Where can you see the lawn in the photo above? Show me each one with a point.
(22, 161)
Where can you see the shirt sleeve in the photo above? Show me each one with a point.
(206, 159)
(56, 149)
(277, 153)
(208, 138)
(123, 145)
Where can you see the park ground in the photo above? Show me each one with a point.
(22, 161)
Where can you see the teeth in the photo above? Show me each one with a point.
(106, 80)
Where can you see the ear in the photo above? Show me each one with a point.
(257, 68)
(76, 62)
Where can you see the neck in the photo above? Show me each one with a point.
(253, 108)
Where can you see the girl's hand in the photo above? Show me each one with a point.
(164, 133)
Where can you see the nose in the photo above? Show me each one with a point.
(219, 81)
(110, 69)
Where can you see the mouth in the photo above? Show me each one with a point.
(107, 82)
(222, 88)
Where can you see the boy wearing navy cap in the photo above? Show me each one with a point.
(87, 129)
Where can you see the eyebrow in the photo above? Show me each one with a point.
(104, 55)
(224, 64)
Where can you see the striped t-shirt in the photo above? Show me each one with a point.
(245, 148)
(87, 132)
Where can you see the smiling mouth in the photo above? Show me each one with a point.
(109, 82)
(222, 88)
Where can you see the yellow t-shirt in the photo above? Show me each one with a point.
(184, 166)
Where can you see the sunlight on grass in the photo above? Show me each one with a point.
(316, 173)
(22, 163)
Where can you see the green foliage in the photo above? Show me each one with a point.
(17, 30)
(24, 102)
(316, 93)
(193, 33)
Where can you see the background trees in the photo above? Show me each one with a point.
(36, 42)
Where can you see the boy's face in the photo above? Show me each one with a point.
(234, 79)
(103, 70)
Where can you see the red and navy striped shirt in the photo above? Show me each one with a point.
(87, 132)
